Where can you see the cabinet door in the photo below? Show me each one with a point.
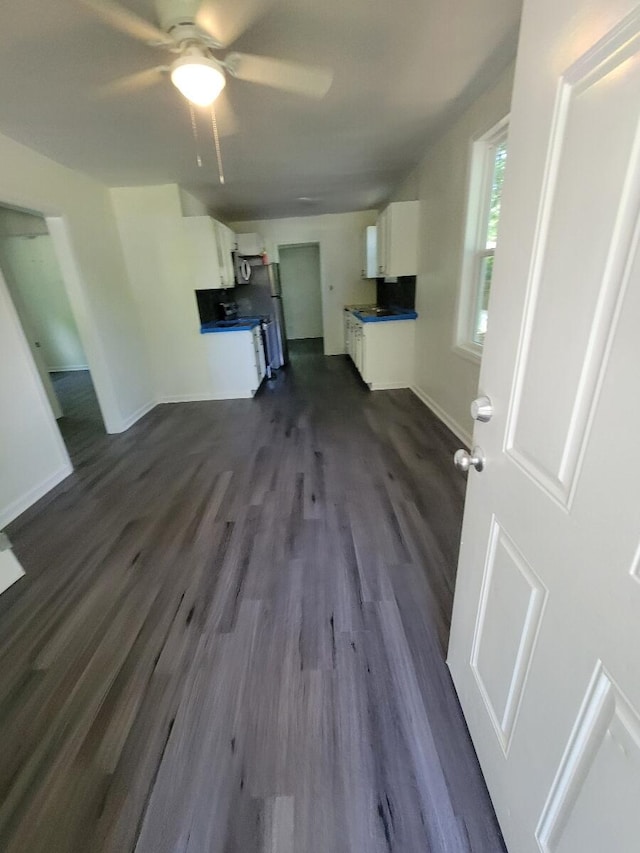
(358, 358)
(371, 251)
(202, 250)
(226, 243)
(363, 351)
(388, 354)
(250, 244)
(258, 348)
(381, 244)
(401, 238)
(231, 247)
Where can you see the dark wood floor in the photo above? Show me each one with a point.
(81, 423)
(231, 634)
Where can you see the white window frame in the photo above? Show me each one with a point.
(481, 166)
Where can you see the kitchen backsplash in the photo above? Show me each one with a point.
(399, 294)
(252, 300)
(209, 303)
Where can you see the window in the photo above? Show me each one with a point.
(488, 162)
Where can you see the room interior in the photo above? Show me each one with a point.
(287, 545)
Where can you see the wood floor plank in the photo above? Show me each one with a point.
(231, 633)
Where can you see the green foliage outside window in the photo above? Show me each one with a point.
(499, 165)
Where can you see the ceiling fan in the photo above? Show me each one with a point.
(196, 30)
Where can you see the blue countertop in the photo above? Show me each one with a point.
(369, 315)
(242, 324)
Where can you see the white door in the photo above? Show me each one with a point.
(545, 641)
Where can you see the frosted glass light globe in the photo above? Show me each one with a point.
(199, 79)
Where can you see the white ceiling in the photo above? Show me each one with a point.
(402, 69)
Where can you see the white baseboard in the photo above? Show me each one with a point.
(201, 398)
(17, 507)
(70, 368)
(135, 416)
(10, 570)
(387, 386)
(440, 413)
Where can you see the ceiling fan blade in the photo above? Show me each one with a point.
(310, 80)
(133, 82)
(225, 20)
(225, 115)
(127, 22)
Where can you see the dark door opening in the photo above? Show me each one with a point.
(30, 269)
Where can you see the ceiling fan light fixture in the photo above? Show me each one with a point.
(198, 78)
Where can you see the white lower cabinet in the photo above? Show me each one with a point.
(382, 352)
(358, 348)
(236, 363)
(349, 320)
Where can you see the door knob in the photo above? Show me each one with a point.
(463, 460)
(482, 409)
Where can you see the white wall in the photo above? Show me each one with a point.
(301, 293)
(444, 378)
(33, 276)
(80, 219)
(190, 205)
(81, 222)
(156, 254)
(33, 457)
(340, 236)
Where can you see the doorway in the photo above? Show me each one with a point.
(301, 290)
(30, 269)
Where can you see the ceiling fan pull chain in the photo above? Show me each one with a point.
(194, 128)
(216, 140)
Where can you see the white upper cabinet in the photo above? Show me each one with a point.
(209, 246)
(226, 246)
(250, 244)
(202, 249)
(397, 239)
(369, 252)
(256, 244)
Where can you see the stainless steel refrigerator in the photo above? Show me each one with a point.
(262, 296)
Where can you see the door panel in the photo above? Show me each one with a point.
(590, 96)
(544, 645)
(594, 799)
(509, 614)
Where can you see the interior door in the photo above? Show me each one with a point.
(544, 647)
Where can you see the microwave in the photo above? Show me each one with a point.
(243, 267)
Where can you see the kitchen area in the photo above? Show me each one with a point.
(242, 321)
(246, 333)
(239, 304)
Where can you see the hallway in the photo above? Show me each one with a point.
(231, 634)
(81, 423)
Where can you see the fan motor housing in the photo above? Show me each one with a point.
(174, 13)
